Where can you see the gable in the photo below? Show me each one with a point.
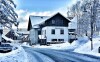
(29, 25)
(57, 20)
(11, 35)
(42, 21)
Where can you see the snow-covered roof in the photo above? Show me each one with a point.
(22, 30)
(5, 31)
(41, 37)
(73, 23)
(74, 19)
(38, 19)
(16, 34)
(36, 26)
(8, 39)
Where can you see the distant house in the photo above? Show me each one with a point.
(11, 35)
(23, 35)
(45, 29)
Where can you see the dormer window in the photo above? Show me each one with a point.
(53, 21)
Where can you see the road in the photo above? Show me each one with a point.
(50, 55)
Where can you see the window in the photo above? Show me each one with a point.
(61, 31)
(45, 32)
(54, 40)
(61, 40)
(71, 30)
(53, 21)
(53, 31)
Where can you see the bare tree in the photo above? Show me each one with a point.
(88, 17)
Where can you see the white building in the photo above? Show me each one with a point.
(44, 29)
(55, 34)
(72, 29)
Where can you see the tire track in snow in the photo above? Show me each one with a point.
(86, 55)
(38, 57)
(61, 56)
(69, 55)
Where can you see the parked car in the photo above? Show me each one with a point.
(4, 48)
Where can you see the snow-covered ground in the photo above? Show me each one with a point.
(82, 45)
(17, 55)
(86, 48)
(25, 44)
(66, 45)
(61, 46)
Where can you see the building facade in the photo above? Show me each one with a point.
(55, 34)
(53, 29)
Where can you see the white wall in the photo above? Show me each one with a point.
(57, 34)
(34, 36)
(72, 25)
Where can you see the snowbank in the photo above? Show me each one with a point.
(25, 44)
(65, 46)
(86, 48)
(82, 40)
(62, 46)
(18, 55)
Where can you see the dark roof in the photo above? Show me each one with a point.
(57, 14)
(39, 20)
(11, 35)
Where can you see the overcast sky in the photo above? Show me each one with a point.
(40, 8)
